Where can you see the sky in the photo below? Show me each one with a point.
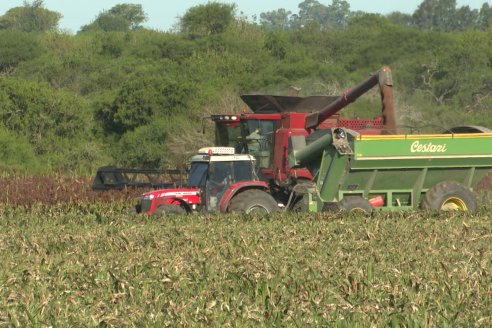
(164, 14)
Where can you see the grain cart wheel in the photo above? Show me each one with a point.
(253, 200)
(355, 204)
(300, 192)
(167, 209)
(449, 196)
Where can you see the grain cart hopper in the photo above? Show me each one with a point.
(219, 181)
(353, 171)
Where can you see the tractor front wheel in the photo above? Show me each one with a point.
(168, 209)
(449, 196)
(253, 200)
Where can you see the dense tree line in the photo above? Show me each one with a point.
(437, 15)
(118, 93)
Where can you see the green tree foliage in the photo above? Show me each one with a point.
(16, 152)
(211, 18)
(163, 143)
(445, 16)
(146, 145)
(133, 13)
(32, 17)
(42, 115)
(152, 45)
(338, 13)
(465, 18)
(276, 19)
(335, 15)
(399, 18)
(120, 18)
(276, 45)
(142, 100)
(485, 17)
(16, 47)
(435, 15)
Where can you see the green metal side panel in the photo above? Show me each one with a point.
(405, 178)
(333, 171)
(407, 151)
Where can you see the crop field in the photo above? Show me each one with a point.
(27, 192)
(92, 264)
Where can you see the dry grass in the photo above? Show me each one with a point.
(89, 266)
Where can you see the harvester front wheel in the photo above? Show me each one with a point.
(253, 200)
(168, 209)
(355, 204)
(449, 196)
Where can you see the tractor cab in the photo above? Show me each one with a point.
(215, 169)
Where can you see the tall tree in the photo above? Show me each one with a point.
(485, 16)
(122, 17)
(32, 17)
(312, 10)
(211, 18)
(134, 14)
(436, 15)
(335, 15)
(276, 19)
(465, 18)
(339, 13)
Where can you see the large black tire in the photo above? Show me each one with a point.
(300, 205)
(253, 200)
(300, 192)
(355, 204)
(449, 196)
(168, 209)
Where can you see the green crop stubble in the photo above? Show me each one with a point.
(85, 267)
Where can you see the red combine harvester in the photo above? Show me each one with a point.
(266, 133)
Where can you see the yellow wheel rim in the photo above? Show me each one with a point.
(454, 204)
(358, 210)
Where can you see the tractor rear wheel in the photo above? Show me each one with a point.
(356, 204)
(253, 200)
(449, 196)
(168, 209)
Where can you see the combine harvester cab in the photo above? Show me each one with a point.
(394, 172)
(219, 181)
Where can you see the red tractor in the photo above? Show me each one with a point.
(266, 133)
(219, 181)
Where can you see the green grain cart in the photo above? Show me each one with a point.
(391, 172)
